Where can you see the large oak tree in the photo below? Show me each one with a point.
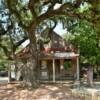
(32, 13)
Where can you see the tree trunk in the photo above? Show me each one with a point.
(29, 73)
(90, 75)
(31, 66)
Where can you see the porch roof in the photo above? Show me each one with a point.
(59, 55)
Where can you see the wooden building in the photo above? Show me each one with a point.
(58, 60)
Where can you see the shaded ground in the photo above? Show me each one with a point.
(44, 92)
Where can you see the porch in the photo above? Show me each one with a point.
(53, 68)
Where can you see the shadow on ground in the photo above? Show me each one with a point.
(44, 92)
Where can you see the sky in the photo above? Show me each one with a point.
(59, 29)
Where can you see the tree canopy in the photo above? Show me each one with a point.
(34, 16)
(84, 37)
(11, 35)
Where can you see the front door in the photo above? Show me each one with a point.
(66, 71)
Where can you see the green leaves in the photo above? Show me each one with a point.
(67, 65)
(84, 7)
(84, 37)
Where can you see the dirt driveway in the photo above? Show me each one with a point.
(44, 92)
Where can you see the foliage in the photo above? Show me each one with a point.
(84, 37)
(85, 32)
(67, 65)
(11, 36)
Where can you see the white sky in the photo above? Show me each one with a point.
(59, 29)
(57, 6)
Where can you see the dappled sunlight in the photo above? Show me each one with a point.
(44, 92)
(50, 87)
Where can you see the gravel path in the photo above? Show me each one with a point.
(44, 92)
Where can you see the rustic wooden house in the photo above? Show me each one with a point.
(58, 59)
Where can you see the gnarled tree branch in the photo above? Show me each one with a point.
(32, 8)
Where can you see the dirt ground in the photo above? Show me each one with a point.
(44, 92)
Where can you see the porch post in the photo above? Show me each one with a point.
(9, 73)
(61, 64)
(53, 70)
(78, 69)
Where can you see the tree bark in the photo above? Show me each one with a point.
(90, 75)
(31, 75)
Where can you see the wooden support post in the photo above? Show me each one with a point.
(78, 69)
(61, 69)
(53, 70)
(61, 64)
(9, 73)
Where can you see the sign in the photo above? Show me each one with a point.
(67, 55)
